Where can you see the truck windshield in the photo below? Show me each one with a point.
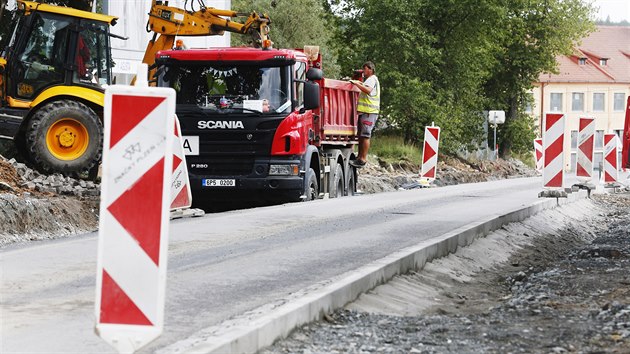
(228, 89)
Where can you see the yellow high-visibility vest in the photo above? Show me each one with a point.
(370, 104)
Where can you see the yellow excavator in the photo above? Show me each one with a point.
(57, 61)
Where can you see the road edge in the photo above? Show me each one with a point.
(261, 327)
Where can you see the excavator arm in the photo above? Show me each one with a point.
(167, 22)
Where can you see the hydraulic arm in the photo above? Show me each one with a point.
(167, 22)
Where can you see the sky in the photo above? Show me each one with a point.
(618, 10)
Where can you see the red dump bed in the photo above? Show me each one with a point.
(338, 112)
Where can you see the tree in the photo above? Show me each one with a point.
(294, 24)
(447, 61)
(535, 32)
(432, 59)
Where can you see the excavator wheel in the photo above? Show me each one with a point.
(64, 137)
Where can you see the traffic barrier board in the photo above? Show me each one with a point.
(181, 195)
(134, 215)
(611, 158)
(538, 154)
(586, 138)
(553, 151)
(430, 152)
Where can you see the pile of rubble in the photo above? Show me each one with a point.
(382, 176)
(32, 180)
(40, 207)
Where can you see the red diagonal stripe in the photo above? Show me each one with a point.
(587, 147)
(612, 158)
(538, 155)
(608, 138)
(553, 151)
(176, 162)
(430, 173)
(139, 210)
(435, 132)
(584, 122)
(128, 111)
(428, 152)
(608, 177)
(551, 119)
(117, 307)
(581, 172)
(181, 199)
(556, 181)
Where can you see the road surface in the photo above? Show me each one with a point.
(222, 265)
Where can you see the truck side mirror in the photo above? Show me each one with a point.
(314, 74)
(311, 95)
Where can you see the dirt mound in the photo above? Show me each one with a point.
(38, 207)
(381, 176)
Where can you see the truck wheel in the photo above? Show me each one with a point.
(65, 137)
(336, 189)
(311, 187)
(351, 181)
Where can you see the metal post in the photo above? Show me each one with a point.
(494, 146)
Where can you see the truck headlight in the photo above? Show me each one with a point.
(284, 170)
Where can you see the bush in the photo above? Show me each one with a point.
(391, 147)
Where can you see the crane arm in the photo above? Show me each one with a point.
(166, 22)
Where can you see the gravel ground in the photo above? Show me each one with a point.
(567, 291)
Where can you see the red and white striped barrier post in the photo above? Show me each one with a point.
(430, 152)
(181, 195)
(611, 157)
(553, 155)
(538, 154)
(586, 138)
(134, 215)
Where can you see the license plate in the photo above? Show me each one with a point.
(218, 182)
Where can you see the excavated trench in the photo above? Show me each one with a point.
(554, 283)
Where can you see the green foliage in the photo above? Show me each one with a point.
(294, 24)
(520, 132)
(447, 61)
(392, 147)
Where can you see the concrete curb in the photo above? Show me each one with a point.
(259, 328)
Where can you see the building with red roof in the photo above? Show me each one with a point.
(592, 82)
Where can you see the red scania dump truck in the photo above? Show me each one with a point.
(262, 124)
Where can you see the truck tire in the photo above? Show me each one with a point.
(336, 188)
(64, 137)
(311, 186)
(351, 181)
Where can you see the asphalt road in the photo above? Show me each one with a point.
(222, 265)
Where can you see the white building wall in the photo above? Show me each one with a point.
(132, 22)
(608, 121)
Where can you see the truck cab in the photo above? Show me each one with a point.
(247, 118)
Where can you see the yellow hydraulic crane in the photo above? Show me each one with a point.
(167, 22)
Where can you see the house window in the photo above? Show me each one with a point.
(603, 61)
(529, 101)
(599, 100)
(582, 61)
(577, 102)
(618, 102)
(556, 102)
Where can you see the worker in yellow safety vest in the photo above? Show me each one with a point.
(368, 108)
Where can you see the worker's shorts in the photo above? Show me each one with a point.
(366, 124)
